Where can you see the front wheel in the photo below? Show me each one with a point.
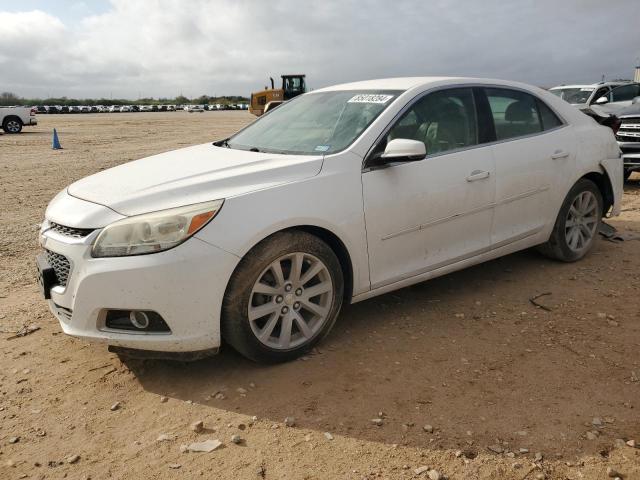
(577, 225)
(283, 298)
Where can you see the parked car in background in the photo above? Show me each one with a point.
(338, 195)
(628, 136)
(145, 108)
(194, 108)
(12, 119)
(114, 109)
(584, 95)
(617, 98)
(52, 109)
(41, 109)
(125, 109)
(171, 108)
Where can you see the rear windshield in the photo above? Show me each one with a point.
(315, 123)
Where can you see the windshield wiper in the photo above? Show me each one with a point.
(225, 143)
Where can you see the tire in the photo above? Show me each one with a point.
(257, 307)
(627, 174)
(569, 241)
(12, 125)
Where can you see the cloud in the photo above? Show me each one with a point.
(164, 47)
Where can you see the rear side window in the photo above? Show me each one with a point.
(515, 113)
(549, 119)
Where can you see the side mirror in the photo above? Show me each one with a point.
(602, 100)
(404, 150)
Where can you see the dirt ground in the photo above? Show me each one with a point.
(467, 354)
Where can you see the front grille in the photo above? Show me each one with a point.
(60, 265)
(629, 130)
(70, 231)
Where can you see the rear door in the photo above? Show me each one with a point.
(534, 161)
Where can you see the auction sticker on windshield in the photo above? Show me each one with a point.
(370, 98)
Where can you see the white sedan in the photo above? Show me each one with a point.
(336, 196)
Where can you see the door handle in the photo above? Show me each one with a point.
(477, 175)
(559, 154)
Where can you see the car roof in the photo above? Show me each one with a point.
(594, 85)
(407, 83)
(560, 87)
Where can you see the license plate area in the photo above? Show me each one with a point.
(46, 275)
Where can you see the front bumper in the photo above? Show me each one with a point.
(185, 285)
(630, 155)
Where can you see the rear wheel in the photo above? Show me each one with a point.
(577, 225)
(12, 125)
(283, 298)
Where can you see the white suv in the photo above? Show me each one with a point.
(583, 96)
(336, 196)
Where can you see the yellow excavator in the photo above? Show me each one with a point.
(265, 100)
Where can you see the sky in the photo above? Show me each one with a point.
(164, 48)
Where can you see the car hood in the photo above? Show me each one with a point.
(607, 109)
(190, 175)
(631, 110)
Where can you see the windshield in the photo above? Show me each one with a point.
(323, 122)
(573, 95)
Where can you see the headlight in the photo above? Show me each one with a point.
(153, 232)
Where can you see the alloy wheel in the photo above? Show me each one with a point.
(13, 126)
(582, 221)
(291, 300)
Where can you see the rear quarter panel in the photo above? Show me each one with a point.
(598, 152)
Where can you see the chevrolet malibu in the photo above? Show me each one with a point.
(336, 196)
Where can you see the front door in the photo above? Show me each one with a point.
(430, 213)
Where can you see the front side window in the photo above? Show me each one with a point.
(443, 120)
(315, 123)
(515, 113)
(625, 93)
(602, 92)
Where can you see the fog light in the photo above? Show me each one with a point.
(146, 321)
(139, 319)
